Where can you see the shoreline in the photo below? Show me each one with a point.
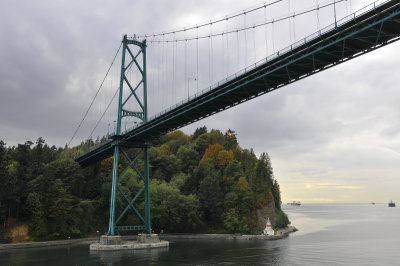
(281, 233)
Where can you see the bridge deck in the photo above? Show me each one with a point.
(355, 36)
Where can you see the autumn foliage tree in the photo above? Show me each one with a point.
(203, 182)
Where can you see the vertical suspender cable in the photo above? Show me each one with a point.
(272, 38)
(197, 60)
(170, 70)
(173, 67)
(163, 87)
(290, 23)
(154, 71)
(317, 11)
(209, 57)
(176, 70)
(212, 56)
(165, 79)
(245, 41)
(161, 67)
(266, 31)
(166, 71)
(227, 48)
(237, 46)
(254, 43)
(294, 27)
(186, 76)
(151, 62)
(223, 54)
(209, 60)
(164, 76)
(158, 71)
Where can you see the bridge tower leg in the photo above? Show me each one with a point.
(132, 51)
(147, 192)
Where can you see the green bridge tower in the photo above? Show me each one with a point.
(133, 56)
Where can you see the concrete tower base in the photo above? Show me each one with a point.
(116, 243)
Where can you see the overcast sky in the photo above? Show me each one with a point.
(332, 137)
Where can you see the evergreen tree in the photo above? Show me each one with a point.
(199, 131)
(204, 183)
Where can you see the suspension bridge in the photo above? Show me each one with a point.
(356, 34)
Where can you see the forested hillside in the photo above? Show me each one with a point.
(203, 182)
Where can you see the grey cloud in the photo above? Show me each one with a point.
(53, 55)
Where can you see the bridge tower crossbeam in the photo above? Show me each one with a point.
(133, 56)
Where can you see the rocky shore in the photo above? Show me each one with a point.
(281, 233)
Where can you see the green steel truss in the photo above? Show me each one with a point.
(132, 52)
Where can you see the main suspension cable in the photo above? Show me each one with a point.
(208, 23)
(245, 27)
(98, 90)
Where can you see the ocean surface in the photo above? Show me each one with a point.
(329, 234)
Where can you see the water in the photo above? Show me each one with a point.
(330, 234)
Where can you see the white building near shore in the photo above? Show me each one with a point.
(268, 228)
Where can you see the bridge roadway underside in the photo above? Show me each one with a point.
(365, 33)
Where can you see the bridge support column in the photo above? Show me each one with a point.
(147, 191)
(111, 220)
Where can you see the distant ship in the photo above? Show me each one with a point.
(294, 203)
(392, 204)
(373, 203)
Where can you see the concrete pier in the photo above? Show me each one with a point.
(110, 240)
(144, 241)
